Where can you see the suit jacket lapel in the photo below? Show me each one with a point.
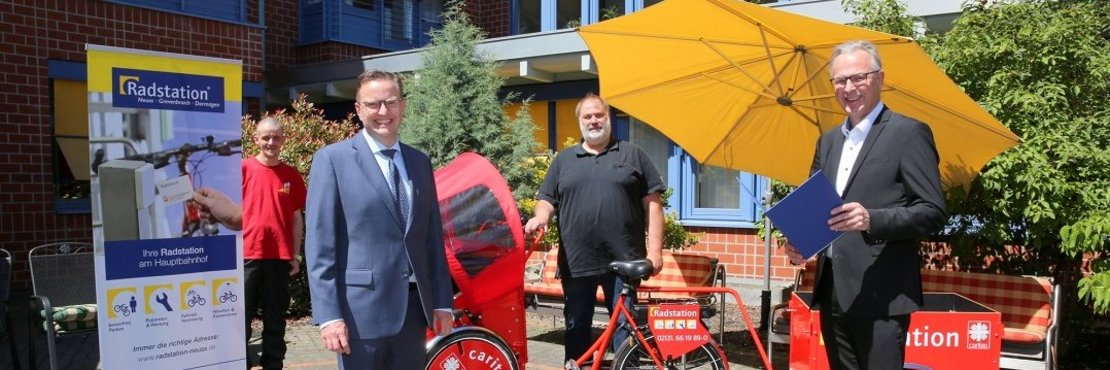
(369, 167)
(868, 143)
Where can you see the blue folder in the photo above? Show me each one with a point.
(803, 216)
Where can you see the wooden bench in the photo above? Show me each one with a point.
(1028, 305)
(679, 270)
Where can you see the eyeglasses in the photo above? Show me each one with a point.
(856, 79)
(390, 104)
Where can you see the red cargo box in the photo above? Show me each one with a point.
(950, 332)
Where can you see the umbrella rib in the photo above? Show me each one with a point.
(738, 68)
(770, 60)
(743, 16)
(1008, 135)
(680, 38)
(665, 83)
(814, 107)
(760, 93)
(807, 106)
(807, 118)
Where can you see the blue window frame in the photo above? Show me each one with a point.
(713, 196)
(529, 16)
(704, 196)
(381, 24)
(227, 10)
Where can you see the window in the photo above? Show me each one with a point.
(548, 15)
(715, 196)
(528, 16)
(69, 108)
(397, 20)
(233, 10)
(381, 24)
(609, 9)
(717, 188)
(568, 14)
(361, 4)
(704, 195)
(657, 146)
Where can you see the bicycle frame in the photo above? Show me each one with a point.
(597, 350)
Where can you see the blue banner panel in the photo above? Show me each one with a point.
(127, 259)
(136, 88)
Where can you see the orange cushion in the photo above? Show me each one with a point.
(1022, 336)
(679, 270)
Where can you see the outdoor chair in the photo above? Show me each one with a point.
(64, 298)
(5, 314)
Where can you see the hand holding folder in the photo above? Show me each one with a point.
(803, 215)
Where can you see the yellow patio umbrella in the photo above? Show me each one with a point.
(746, 87)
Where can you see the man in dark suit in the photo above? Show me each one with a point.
(377, 270)
(884, 165)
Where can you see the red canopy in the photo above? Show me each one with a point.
(482, 230)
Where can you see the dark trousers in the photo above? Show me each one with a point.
(860, 343)
(266, 285)
(579, 295)
(404, 351)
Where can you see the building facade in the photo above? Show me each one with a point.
(318, 47)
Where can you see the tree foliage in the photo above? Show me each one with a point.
(306, 131)
(888, 16)
(1043, 69)
(453, 107)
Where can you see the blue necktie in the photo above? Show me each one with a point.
(400, 197)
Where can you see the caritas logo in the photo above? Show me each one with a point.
(978, 335)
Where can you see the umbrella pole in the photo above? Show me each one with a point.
(765, 296)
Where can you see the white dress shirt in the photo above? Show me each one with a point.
(853, 143)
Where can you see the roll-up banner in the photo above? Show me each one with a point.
(169, 274)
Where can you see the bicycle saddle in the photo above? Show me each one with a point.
(634, 270)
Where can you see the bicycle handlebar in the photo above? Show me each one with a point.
(162, 158)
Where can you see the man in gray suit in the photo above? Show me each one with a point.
(884, 165)
(377, 271)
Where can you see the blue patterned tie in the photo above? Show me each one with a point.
(400, 197)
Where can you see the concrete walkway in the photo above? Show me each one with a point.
(306, 351)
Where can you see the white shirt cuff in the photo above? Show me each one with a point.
(329, 322)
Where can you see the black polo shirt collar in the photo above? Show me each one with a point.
(580, 150)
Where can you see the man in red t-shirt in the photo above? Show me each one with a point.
(273, 227)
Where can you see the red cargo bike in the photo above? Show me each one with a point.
(484, 240)
(486, 253)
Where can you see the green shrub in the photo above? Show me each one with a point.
(306, 131)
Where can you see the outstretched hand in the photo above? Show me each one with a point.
(222, 208)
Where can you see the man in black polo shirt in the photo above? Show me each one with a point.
(607, 194)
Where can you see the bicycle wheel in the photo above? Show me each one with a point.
(471, 349)
(633, 355)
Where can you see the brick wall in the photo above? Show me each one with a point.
(34, 31)
(331, 51)
(741, 251)
(281, 33)
(492, 16)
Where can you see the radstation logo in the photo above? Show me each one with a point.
(137, 88)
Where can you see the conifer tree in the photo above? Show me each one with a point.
(452, 106)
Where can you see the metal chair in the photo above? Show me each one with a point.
(64, 299)
(5, 313)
